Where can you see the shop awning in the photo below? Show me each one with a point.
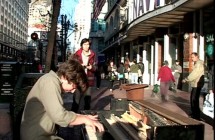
(162, 17)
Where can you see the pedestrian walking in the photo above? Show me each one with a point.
(141, 71)
(121, 75)
(134, 72)
(112, 74)
(177, 70)
(165, 76)
(196, 80)
(126, 71)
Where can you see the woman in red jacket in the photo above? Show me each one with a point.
(165, 76)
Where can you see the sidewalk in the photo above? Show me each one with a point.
(178, 103)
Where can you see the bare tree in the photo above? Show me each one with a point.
(52, 34)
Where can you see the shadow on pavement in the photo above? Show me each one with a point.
(185, 106)
(181, 103)
(207, 119)
(99, 94)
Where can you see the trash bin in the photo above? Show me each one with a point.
(134, 91)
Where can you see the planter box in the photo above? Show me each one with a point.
(134, 91)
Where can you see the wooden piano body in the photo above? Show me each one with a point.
(138, 120)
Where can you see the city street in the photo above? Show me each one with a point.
(155, 40)
(101, 98)
(178, 103)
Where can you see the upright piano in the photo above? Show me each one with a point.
(143, 120)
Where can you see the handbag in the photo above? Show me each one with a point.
(156, 88)
(121, 76)
(112, 76)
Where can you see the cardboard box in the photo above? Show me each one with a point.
(134, 91)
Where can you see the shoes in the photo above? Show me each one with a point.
(164, 98)
(174, 90)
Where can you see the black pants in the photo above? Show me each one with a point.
(98, 81)
(140, 80)
(194, 99)
(70, 133)
(111, 84)
(194, 103)
(121, 81)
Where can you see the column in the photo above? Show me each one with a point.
(156, 63)
(201, 38)
(122, 55)
(195, 42)
(146, 66)
(152, 65)
(187, 62)
(138, 53)
(166, 48)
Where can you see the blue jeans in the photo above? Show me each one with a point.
(134, 78)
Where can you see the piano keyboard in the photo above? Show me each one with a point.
(145, 121)
(91, 135)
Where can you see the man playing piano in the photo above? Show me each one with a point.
(44, 104)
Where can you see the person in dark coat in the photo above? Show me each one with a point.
(140, 76)
(112, 69)
(121, 75)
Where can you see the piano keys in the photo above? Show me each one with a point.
(144, 121)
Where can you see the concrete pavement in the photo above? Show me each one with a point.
(178, 103)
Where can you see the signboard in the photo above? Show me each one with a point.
(210, 46)
(7, 78)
